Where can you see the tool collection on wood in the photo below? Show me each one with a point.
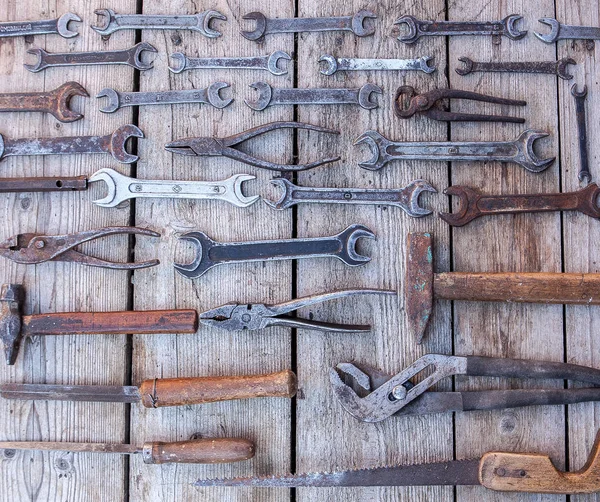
(366, 393)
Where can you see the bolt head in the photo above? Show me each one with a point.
(399, 392)
(40, 244)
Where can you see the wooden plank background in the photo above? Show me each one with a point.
(311, 432)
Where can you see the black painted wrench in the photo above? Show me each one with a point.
(584, 169)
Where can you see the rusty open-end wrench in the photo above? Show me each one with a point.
(59, 26)
(130, 57)
(269, 63)
(584, 168)
(55, 102)
(210, 253)
(558, 68)
(473, 204)
(559, 31)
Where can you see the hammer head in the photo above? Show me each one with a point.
(418, 286)
(12, 297)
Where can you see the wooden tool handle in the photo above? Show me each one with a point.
(199, 451)
(181, 391)
(66, 184)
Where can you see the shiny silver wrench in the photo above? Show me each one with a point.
(560, 31)
(357, 64)
(269, 63)
(59, 26)
(121, 188)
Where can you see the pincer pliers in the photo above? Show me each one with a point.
(226, 147)
(34, 248)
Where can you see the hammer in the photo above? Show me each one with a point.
(423, 285)
(14, 326)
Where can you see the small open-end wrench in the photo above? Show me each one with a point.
(473, 204)
(353, 64)
(584, 168)
(406, 198)
(209, 95)
(210, 253)
(560, 31)
(131, 57)
(418, 28)
(265, 26)
(558, 68)
(111, 22)
(58, 26)
(268, 63)
(111, 143)
(55, 102)
(269, 96)
(121, 188)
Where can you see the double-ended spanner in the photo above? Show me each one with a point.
(560, 31)
(558, 68)
(58, 26)
(358, 64)
(269, 63)
(584, 167)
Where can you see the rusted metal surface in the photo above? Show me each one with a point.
(559, 31)
(584, 167)
(418, 283)
(58, 26)
(65, 184)
(558, 68)
(269, 63)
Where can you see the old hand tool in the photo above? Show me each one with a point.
(131, 57)
(268, 63)
(406, 198)
(226, 147)
(54, 102)
(372, 396)
(351, 64)
(59, 26)
(520, 151)
(425, 104)
(584, 169)
(473, 204)
(558, 68)
(192, 451)
(209, 95)
(422, 285)
(266, 26)
(14, 326)
(161, 392)
(37, 248)
(111, 22)
(121, 188)
(66, 184)
(210, 253)
(252, 316)
(498, 471)
(417, 28)
(563, 31)
(113, 144)
(267, 96)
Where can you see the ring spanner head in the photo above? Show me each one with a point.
(119, 139)
(62, 25)
(554, 30)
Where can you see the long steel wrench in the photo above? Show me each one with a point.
(558, 68)
(357, 64)
(59, 26)
(269, 63)
(584, 168)
(564, 31)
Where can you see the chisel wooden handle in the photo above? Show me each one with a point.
(182, 391)
(199, 451)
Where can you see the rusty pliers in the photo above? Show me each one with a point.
(213, 147)
(34, 248)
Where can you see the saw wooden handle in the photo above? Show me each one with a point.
(181, 391)
(199, 451)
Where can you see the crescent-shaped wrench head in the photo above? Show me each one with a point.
(62, 25)
(358, 23)
(260, 26)
(511, 31)
(113, 100)
(178, 63)
(366, 96)
(39, 65)
(378, 145)
(116, 187)
(265, 93)
(554, 30)
(204, 20)
(332, 64)
(526, 156)
(411, 34)
(135, 56)
(273, 60)
(214, 96)
(118, 140)
(61, 101)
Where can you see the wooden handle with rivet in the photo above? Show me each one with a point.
(199, 451)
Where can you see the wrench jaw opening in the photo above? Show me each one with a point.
(285, 201)
(178, 64)
(526, 156)
(466, 206)
(118, 140)
(204, 20)
(511, 31)
(135, 56)
(234, 194)
(378, 146)
(358, 23)
(272, 62)
(106, 19)
(561, 68)
(554, 30)
(265, 93)
(332, 65)
(63, 96)
(260, 27)
(366, 96)
(348, 239)
(347, 396)
(467, 66)
(214, 97)
(113, 100)
(39, 65)
(413, 192)
(114, 183)
(425, 66)
(62, 25)
(201, 263)
(411, 34)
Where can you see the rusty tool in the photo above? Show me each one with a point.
(559, 31)
(474, 204)
(496, 29)
(210, 253)
(252, 316)
(498, 471)
(267, 96)
(357, 64)
(226, 147)
(58, 26)
(584, 169)
(34, 248)
(520, 151)
(110, 22)
(192, 451)
(266, 26)
(131, 57)
(422, 285)
(14, 326)
(114, 144)
(406, 198)
(54, 102)
(425, 104)
(372, 396)
(65, 184)
(558, 68)
(209, 95)
(269, 63)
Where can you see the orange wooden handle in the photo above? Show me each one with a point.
(199, 451)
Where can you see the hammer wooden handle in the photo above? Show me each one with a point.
(182, 391)
(199, 451)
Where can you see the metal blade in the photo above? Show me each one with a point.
(453, 472)
(98, 393)
(60, 446)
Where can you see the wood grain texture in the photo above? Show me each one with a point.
(199, 451)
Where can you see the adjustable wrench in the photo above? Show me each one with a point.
(269, 96)
(59, 26)
(584, 169)
(210, 253)
(351, 64)
(564, 31)
(519, 151)
(209, 95)
(558, 68)
(406, 198)
(269, 63)
(131, 57)
(121, 188)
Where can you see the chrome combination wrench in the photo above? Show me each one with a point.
(269, 63)
(58, 26)
(357, 64)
